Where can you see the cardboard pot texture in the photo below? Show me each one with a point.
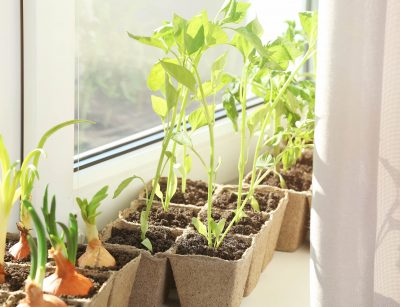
(210, 281)
(150, 285)
(100, 299)
(294, 224)
(259, 247)
(275, 233)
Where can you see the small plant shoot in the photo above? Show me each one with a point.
(29, 173)
(96, 256)
(34, 284)
(65, 280)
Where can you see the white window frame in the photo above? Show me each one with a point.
(10, 84)
(49, 28)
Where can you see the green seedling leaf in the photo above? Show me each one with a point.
(217, 228)
(200, 227)
(182, 138)
(146, 243)
(160, 106)
(180, 25)
(125, 183)
(193, 44)
(309, 23)
(151, 41)
(255, 119)
(171, 93)
(159, 193)
(229, 103)
(198, 119)
(254, 204)
(144, 223)
(156, 78)
(180, 74)
(265, 161)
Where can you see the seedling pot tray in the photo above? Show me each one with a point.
(150, 285)
(294, 224)
(106, 295)
(210, 281)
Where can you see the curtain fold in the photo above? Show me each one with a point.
(355, 219)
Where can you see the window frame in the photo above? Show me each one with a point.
(49, 23)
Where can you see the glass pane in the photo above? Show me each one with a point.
(111, 69)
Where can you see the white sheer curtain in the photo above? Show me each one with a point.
(355, 236)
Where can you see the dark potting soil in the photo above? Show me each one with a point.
(121, 258)
(15, 278)
(298, 178)
(174, 217)
(232, 248)
(196, 192)
(161, 239)
(227, 199)
(251, 224)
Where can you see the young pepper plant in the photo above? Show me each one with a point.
(27, 180)
(34, 284)
(282, 52)
(95, 256)
(185, 41)
(65, 280)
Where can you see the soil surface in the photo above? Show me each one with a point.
(227, 199)
(195, 194)
(232, 248)
(121, 258)
(298, 178)
(161, 239)
(15, 278)
(251, 224)
(175, 217)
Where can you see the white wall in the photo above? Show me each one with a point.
(10, 87)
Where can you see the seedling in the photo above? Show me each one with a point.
(96, 256)
(34, 284)
(65, 280)
(27, 180)
(10, 192)
(282, 51)
(144, 222)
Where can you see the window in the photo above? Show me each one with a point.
(111, 69)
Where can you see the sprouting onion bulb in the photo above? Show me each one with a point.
(10, 192)
(96, 255)
(65, 280)
(33, 288)
(28, 176)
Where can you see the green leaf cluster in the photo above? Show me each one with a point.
(89, 208)
(67, 241)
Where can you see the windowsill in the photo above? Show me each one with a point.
(284, 283)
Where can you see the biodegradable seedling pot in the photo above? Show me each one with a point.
(210, 281)
(177, 217)
(104, 293)
(257, 225)
(150, 285)
(266, 239)
(196, 192)
(294, 224)
(99, 296)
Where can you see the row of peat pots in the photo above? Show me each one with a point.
(181, 257)
(106, 289)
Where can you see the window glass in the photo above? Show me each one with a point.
(111, 68)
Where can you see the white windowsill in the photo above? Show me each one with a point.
(284, 283)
